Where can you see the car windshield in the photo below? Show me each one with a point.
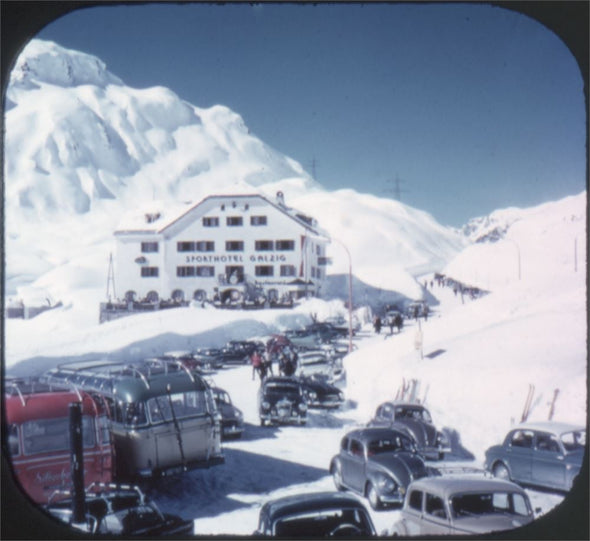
(282, 389)
(575, 440)
(489, 503)
(131, 521)
(324, 523)
(419, 414)
(389, 445)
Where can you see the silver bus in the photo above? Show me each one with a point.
(163, 417)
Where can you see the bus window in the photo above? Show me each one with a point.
(133, 414)
(189, 404)
(13, 443)
(45, 435)
(103, 429)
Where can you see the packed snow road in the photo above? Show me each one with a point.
(271, 462)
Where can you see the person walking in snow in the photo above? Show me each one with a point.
(399, 322)
(377, 324)
(256, 361)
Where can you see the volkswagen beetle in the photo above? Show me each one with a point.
(378, 463)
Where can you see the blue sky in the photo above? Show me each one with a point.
(472, 107)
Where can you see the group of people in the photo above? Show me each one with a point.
(262, 362)
(392, 321)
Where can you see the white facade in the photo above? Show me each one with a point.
(227, 248)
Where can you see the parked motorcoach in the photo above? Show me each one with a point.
(163, 416)
(38, 437)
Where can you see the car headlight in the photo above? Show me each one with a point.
(265, 405)
(441, 438)
(303, 407)
(312, 395)
(385, 483)
(239, 415)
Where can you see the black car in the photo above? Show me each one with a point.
(208, 357)
(320, 393)
(315, 515)
(120, 510)
(281, 401)
(232, 418)
(378, 463)
(239, 351)
(415, 420)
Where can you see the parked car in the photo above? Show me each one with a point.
(378, 463)
(235, 352)
(341, 323)
(281, 401)
(120, 510)
(460, 505)
(328, 330)
(199, 363)
(232, 418)
(303, 339)
(315, 515)
(546, 454)
(320, 393)
(318, 362)
(209, 358)
(415, 420)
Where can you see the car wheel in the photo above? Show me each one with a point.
(501, 471)
(441, 456)
(373, 497)
(262, 422)
(337, 476)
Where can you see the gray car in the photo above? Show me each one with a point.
(315, 515)
(415, 420)
(462, 505)
(546, 454)
(378, 463)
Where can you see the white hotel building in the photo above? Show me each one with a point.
(226, 249)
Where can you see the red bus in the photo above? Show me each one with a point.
(38, 437)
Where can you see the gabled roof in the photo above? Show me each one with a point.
(157, 217)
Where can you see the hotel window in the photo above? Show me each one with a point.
(263, 245)
(148, 247)
(149, 272)
(205, 246)
(234, 221)
(257, 220)
(234, 246)
(185, 246)
(264, 270)
(183, 272)
(206, 270)
(212, 221)
(285, 245)
(287, 270)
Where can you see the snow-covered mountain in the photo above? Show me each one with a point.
(81, 149)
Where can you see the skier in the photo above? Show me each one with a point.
(256, 361)
(377, 324)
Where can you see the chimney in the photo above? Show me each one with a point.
(280, 199)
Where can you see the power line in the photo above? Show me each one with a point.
(396, 190)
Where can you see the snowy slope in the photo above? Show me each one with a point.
(82, 149)
(478, 359)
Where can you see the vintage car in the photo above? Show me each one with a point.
(281, 401)
(235, 352)
(315, 515)
(199, 363)
(415, 420)
(378, 463)
(461, 505)
(208, 358)
(232, 418)
(547, 454)
(120, 510)
(320, 393)
(318, 362)
(303, 339)
(342, 324)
